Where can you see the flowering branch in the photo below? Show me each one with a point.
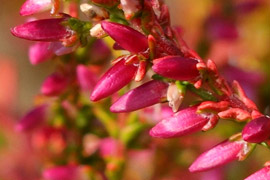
(157, 56)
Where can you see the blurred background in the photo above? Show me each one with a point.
(233, 33)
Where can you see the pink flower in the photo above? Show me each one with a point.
(40, 52)
(42, 30)
(87, 79)
(113, 80)
(220, 28)
(221, 154)
(126, 37)
(263, 174)
(32, 119)
(109, 147)
(34, 6)
(145, 95)
(176, 67)
(184, 122)
(257, 130)
(61, 173)
(54, 84)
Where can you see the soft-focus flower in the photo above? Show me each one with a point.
(250, 84)
(40, 52)
(113, 80)
(61, 173)
(54, 84)
(99, 51)
(126, 37)
(257, 130)
(176, 67)
(110, 147)
(145, 95)
(220, 28)
(263, 174)
(222, 153)
(246, 7)
(87, 79)
(184, 122)
(32, 119)
(42, 30)
(34, 6)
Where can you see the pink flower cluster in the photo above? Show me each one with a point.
(154, 48)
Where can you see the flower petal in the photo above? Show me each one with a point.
(145, 95)
(113, 80)
(42, 30)
(176, 67)
(126, 37)
(222, 153)
(184, 122)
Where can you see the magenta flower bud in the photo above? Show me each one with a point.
(257, 130)
(40, 52)
(184, 122)
(126, 37)
(87, 79)
(61, 173)
(42, 30)
(145, 95)
(221, 154)
(262, 174)
(176, 67)
(34, 6)
(54, 84)
(113, 80)
(32, 119)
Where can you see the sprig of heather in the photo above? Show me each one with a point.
(143, 29)
(167, 55)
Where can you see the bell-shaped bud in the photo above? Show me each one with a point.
(54, 84)
(184, 122)
(87, 79)
(145, 95)
(257, 130)
(42, 30)
(40, 52)
(126, 37)
(262, 174)
(34, 6)
(176, 67)
(32, 119)
(61, 173)
(113, 80)
(221, 154)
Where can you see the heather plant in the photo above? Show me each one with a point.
(84, 125)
